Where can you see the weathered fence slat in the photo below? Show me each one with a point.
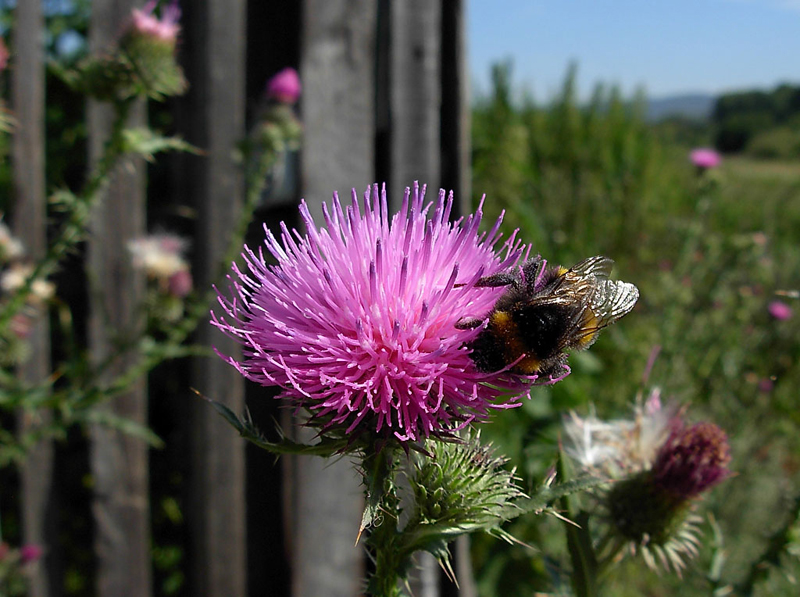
(455, 109)
(37, 503)
(214, 120)
(415, 95)
(119, 463)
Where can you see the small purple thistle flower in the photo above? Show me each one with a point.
(30, 553)
(705, 158)
(4, 55)
(284, 87)
(166, 28)
(357, 321)
(780, 310)
(692, 460)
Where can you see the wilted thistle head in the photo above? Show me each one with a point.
(11, 248)
(618, 448)
(355, 321)
(161, 257)
(660, 466)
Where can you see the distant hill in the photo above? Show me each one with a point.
(695, 106)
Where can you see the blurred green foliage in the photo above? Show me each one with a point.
(738, 117)
(709, 250)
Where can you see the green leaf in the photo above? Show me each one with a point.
(547, 494)
(147, 143)
(326, 447)
(108, 419)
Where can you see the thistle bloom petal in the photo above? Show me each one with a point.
(356, 320)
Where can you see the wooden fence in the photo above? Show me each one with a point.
(384, 99)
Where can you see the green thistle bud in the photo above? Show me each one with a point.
(461, 487)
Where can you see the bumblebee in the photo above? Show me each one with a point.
(546, 312)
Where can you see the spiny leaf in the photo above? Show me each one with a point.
(147, 143)
(326, 447)
(547, 494)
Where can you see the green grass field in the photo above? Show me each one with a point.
(709, 252)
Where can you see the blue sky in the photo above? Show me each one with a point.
(668, 46)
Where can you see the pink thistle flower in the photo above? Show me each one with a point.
(166, 28)
(4, 55)
(356, 322)
(766, 385)
(705, 158)
(29, 553)
(284, 87)
(180, 283)
(780, 310)
(692, 460)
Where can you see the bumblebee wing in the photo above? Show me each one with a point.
(612, 300)
(598, 266)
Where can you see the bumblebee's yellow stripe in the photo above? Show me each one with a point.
(504, 327)
(590, 322)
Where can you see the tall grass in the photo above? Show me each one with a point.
(708, 252)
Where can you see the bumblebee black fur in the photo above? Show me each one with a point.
(546, 312)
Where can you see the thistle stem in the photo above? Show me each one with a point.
(381, 515)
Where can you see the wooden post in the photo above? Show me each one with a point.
(118, 462)
(415, 95)
(337, 66)
(36, 477)
(213, 119)
(455, 112)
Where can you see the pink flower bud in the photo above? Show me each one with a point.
(147, 24)
(180, 283)
(30, 553)
(705, 158)
(4, 55)
(284, 87)
(780, 310)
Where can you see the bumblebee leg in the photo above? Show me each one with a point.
(531, 270)
(468, 323)
(495, 280)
